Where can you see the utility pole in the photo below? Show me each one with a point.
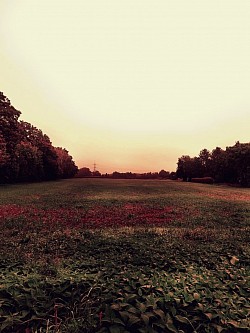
(94, 167)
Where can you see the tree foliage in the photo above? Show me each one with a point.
(84, 172)
(231, 165)
(66, 166)
(26, 153)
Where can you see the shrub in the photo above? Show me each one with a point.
(204, 180)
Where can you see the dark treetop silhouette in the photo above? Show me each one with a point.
(26, 154)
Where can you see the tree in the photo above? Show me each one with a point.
(26, 154)
(231, 165)
(164, 174)
(218, 164)
(182, 171)
(205, 158)
(36, 137)
(66, 166)
(30, 166)
(84, 172)
(172, 175)
(96, 173)
(238, 163)
(185, 168)
(3, 152)
(9, 137)
(9, 126)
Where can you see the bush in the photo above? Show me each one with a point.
(204, 180)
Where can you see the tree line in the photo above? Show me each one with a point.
(86, 173)
(147, 175)
(26, 153)
(231, 165)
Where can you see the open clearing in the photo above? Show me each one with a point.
(101, 255)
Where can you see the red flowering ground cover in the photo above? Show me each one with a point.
(129, 214)
(10, 211)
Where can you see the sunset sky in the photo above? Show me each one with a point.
(129, 84)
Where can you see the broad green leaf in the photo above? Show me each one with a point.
(133, 310)
(118, 321)
(124, 315)
(234, 323)
(140, 293)
(209, 315)
(182, 319)
(201, 306)
(218, 328)
(141, 306)
(159, 325)
(133, 320)
(132, 298)
(146, 286)
(196, 296)
(234, 260)
(115, 307)
(115, 329)
(160, 290)
(171, 327)
(160, 314)
(145, 318)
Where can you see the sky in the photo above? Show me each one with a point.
(130, 85)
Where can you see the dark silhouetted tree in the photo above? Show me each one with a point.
(218, 164)
(185, 168)
(30, 167)
(231, 165)
(36, 137)
(84, 172)
(238, 163)
(9, 137)
(3, 152)
(26, 154)
(96, 173)
(66, 165)
(164, 174)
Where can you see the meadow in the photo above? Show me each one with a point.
(102, 255)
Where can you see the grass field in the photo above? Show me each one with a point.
(99, 255)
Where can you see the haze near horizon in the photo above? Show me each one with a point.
(131, 85)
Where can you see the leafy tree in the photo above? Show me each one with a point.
(173, 175)
(26, 154)
(9, 125)
(3, 152)
(231, 165)
(66, 166)
(218, 164)
(205, 159)
(96, 173)
(30, 167)
(238, 163)
(84, 172)
(49, 157)
(164, 174)
(185, 168)
(9, 137)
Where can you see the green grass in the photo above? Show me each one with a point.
(99, 255)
